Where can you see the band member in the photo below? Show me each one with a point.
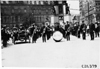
(78, 30)
(34, 35)
(21, 27)
(68, 34)
(96, 30)
(88, 30)
(15, 32)
(48, 32)
(83, 30)
(67, 31)
(44, 30)
(4, 36)
(92, 29)
(75, 29)
(31, 29)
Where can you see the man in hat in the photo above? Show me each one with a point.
(44, 33)
(4, 36)
(67, 31)
(78, 30)
(83, 30)
(31, 29)
(96, 29)
(34, 35)
(92, 29)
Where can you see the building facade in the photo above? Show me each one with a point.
(16, 12)
(89, 11)
(27, 12)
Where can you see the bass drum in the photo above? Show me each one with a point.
(57, 36)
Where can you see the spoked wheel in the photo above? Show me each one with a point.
(25, 40)
(29, 39)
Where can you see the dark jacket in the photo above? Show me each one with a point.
(66, 27)
(83, 28)
(4, 35)
(92, 27)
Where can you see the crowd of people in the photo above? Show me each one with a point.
(46, 31)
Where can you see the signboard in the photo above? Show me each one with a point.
(61, 17)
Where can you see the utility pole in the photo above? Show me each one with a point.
(88, 12)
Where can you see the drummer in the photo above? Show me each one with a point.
(44, 32)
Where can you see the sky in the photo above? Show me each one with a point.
(74, 6)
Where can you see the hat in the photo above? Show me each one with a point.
(21, 24)
(4, 26)
(82, 21)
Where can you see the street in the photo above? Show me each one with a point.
(64, 54)
(21, 20)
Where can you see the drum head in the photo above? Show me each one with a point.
(57, 36)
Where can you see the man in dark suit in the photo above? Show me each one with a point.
(44, 33)
(78, 30)
(34, 35)
(4, 36)
(83, 30)
(48, 32)
(96, 29)
(67, 31)
(31, 29)
(92, 29)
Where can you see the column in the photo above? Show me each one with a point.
(64, 9)
(56, 9)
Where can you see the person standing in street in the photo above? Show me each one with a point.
(83, 30)
(34, 35)
(92, 29)
(31, 29)
(4, 36)
(67, 31)
(78, 30)
(48, 32)
(96, 29)
(44, 30)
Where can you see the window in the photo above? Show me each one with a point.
(51, 2)
(18, 18)
(42, 18)
(45, 2)
(35, 2)
(1, 2)
(30, 2)
(38, 18)
(39, 2)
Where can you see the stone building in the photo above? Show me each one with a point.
(27, 12)
(90, 10)
(16, 12)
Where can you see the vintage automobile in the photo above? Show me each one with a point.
(21, 35)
